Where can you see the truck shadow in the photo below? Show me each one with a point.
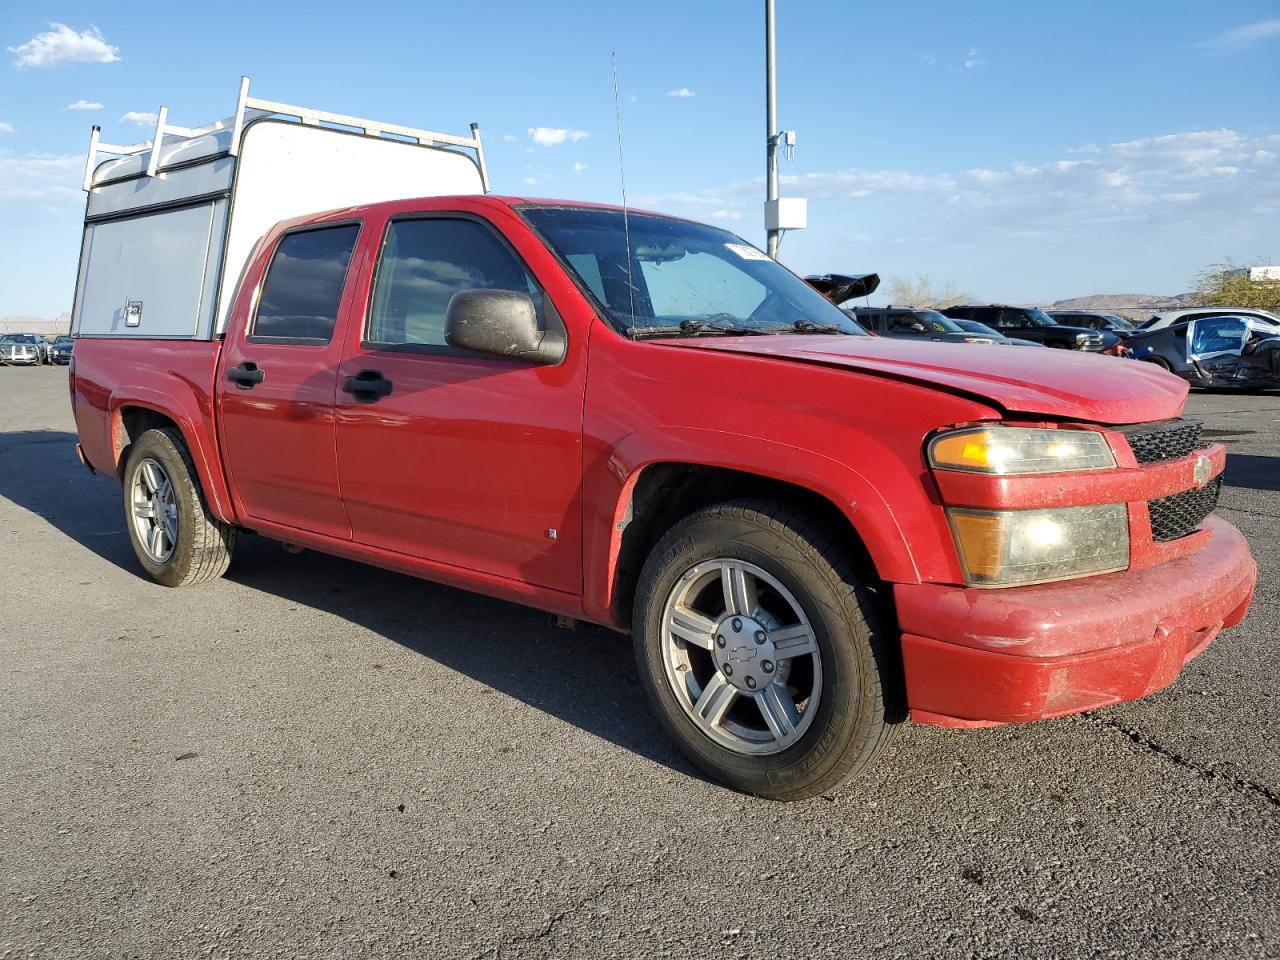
(586, 677)
(1253, 471)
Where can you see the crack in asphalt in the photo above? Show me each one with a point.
(1208, 772)
(554, 919)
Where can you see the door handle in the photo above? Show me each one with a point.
(246, 376)
(367, 386)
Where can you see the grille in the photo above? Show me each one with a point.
(1156, 442)
(1182, 513)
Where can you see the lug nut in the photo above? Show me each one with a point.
(737, 625)
(766, 666)
(759, 636)
(728, 669)
(751, 682)
(719, 639)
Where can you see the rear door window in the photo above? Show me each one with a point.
(303, 287)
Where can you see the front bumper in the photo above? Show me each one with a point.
(983, 657)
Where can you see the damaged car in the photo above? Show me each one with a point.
(1216, 351)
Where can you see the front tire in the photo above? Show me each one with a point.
(761, 653)
(177, 541)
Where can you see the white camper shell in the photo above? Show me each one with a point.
(171, 222)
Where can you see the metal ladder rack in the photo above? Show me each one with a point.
(252, 108)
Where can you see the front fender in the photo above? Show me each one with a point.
(610, 482)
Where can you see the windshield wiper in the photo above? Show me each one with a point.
(696, 328)
(808, 326)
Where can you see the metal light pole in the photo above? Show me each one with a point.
(771, 121)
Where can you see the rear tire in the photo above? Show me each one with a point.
(761, 653)
(177, 541)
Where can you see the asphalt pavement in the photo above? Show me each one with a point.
(316, 758)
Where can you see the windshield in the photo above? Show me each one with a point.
(973, 326)
(1115, 322)
(1038, 318)
(682, 278)
(63, 342)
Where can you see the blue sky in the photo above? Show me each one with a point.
(1021, 151)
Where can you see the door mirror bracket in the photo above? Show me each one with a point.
(501, 323)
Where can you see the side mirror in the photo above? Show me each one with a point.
(502, 323)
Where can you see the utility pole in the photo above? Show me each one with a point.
(779, 215)
(771, 121)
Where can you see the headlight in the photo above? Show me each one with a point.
(1013, 450)
(1006, 547)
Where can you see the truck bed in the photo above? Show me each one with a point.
(177, 378)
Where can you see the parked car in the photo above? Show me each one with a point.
(1214, 351)
(973, 326)
(646, 423)
(1094, 321)
(1167, 318)
(21, 349)
(908, 323)
(60, 350)
(1032, 323)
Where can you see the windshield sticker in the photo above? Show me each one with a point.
(747, 252)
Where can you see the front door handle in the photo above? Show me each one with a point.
(246, 376)
(367, 386)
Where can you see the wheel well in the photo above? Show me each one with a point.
(666, 493)
(132, 423)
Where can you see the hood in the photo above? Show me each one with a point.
(839, 287)
(1054, 383)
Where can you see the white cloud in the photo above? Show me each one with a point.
(725, 214)
(1248, 34)
(510, 137)
(973, 59)
(531, 180)
(633, 99)
(554, 136)
(84, 105)
(579, 167)
(682, 93)
(40, 176)
(6, 127)
(929, 59)
(1219, 186)
(141, 117)
(61, 44)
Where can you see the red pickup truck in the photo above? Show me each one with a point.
(646, 423)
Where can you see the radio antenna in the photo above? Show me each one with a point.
(622, 176)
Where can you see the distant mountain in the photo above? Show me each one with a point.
(1132, 305)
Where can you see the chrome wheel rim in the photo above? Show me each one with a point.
(155, 510)
(741, 657)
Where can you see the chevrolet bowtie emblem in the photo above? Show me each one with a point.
(1204, 470)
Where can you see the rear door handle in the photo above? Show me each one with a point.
(367, 386)
(246, 376)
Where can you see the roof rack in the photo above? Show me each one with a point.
(252, 108)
